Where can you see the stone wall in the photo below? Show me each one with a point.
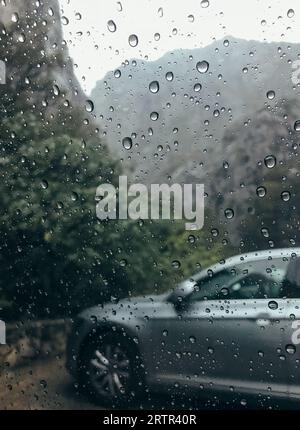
(32, 340)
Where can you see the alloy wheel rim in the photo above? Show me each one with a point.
(109, 369)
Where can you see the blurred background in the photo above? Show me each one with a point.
(77, 84)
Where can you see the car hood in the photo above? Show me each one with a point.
(139, 306)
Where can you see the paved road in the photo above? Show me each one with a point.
(46, 385)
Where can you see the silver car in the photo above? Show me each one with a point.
(232, 327)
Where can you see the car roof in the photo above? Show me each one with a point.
(248, 257)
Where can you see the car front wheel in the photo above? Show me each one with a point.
(111, 370)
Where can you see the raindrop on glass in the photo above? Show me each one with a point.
(273, 305)
(270, 161)
(169, 76)
(89, 106)
(176, 264)
(44, 184)
(154, 116)
(290, 349)
(229, 213)
(261, 191)
(133, 40)
(154, 87)
(204, 3)
(297, 125)
(285, 196)
(111, 26)
(202, 66)
(271, 95)
(15, 17)
(127, 143)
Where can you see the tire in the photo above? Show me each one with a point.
(111, 370)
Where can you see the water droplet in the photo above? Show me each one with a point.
(271, 95)
(154, 87)
(191, 238)
(154, 116)
(169, 76)
(44, 184)
(64, 20)
(224, 291)
(160, 12)
(290, 13)
(270, 161)
(43, 383)
(265, 232)
(74, 196)
(111, 26)
(285, 196)
(89, 106)
(127, 143)
(214, 232)
(204, 3)
(192, 339)
(21, 38)
(202, 66)
(56, 90)
(117, 73)
(176, 264)
(273, 305)
(229, 213)
(191, 18)
(133, 40)
(290, 349)
(15, 17)
(261, 191)
(297, 125)
(123, 262)
(156, 36)
(197, 87)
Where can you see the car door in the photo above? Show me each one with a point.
(291, 350)
(231, 331)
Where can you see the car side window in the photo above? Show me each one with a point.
(260, 279)
(254, 286)
(215, 286)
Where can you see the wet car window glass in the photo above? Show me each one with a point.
(262, 279)
(150, 205)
